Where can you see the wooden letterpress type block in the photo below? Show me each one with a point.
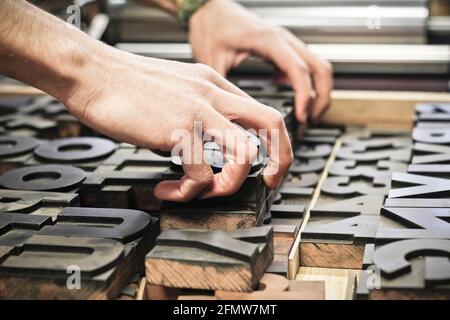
(48, 108)
(86, 153)
(346, 186)
(417, 203)
(396, 149)
(432, 135)
(319, 136)
(433, 108)
(426, 153)
(407, 269)
(111, 188)
(210, 260)
(265, 88)
(15, 151)
(73, 236)
(382, 169)
(28, 126)
(335, 234)
(10, 105)
(431, 160)
(286, 221)
(36, 202)
(97, 260)
(43, 178)
(138, 160)
(432, 112)
(434, 170)
(243, 209)
(406, 185)
(432, 124)
(307, 165)
(413, 223)
(312, 151)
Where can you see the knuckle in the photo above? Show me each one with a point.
(206, 72)
(325, 69)
(276, 118)
(205, 178)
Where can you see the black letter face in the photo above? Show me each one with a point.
(393, 259)
(54, 255)
(43, 178)
(14, 146)
(75, 149)
(123, 225)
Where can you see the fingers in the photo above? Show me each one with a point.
(199, 180)
(198, 174)
(216, 78)
(322, 74)
(277, 49)
(251, 114)
(239, 153)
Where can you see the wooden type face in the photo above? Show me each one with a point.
(417, 203)
(29, 126)
(413, 223)
(89, 236)
(432, 135)
(433, 108)
(73, 150)
(407, 185)
(239, 244)
(10, 105)
(305, 180)
(264, 88)
(319, 136)
(425, 153)
(11, 146)
(433, 112)
(213, 260)
(373, 150)
(354, 219)
(350, 168)
(138, 160)
(108, 187)
(53, 255)
(413, 264)
(15, 151)
(307, 165)
(307, 151)
(36, 202)
(43, 178)
(46, 107)
(345, 186)
(119, 224)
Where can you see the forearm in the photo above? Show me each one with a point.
(42, 50)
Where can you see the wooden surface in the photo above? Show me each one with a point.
(346, 256)
(382, 109)
(339, 283)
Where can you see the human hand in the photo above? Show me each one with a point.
(147, 102)
(222, 34)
